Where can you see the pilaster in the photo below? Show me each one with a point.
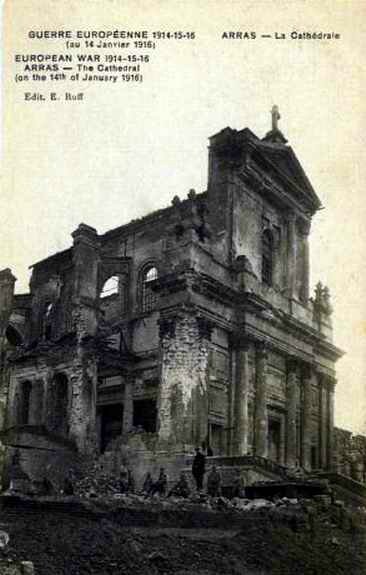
(291, 254)
(304, 229)
(291, 405)
(260, 414)
(241, 399)
(307, 378)
(323, 421)
(331, 383)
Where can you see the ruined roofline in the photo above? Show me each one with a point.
(127, 228)
(61, 254)
(350, 433)
(147, 219)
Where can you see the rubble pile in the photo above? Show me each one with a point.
(129, 532)
(95, 481)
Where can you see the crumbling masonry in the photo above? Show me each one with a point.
(193, 324)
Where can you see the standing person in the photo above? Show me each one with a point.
(198, 468)
(238, 485)
(161, 484)
(148, 483)
(214, 482)
(123, 478)
(130, 481)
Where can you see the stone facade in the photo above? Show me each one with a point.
(191, 325)
(350, 454)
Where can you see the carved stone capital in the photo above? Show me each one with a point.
(328, 382)
(290, 217)
(261, 350)
(303, 226)
(307, 372)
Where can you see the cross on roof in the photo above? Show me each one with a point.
(275, 117)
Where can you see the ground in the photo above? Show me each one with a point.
(185, 538)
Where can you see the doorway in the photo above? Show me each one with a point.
(111, 423)
(274, 440)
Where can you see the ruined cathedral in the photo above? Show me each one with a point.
(192, 325)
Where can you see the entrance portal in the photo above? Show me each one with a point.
(274, 440)
(111, 423)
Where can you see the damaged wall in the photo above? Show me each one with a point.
(184, 380)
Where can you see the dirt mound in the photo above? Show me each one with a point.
(285, 538)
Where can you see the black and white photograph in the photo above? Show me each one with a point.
(182, 287)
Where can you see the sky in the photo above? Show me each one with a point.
(127, 149)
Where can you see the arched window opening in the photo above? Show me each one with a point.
(267, 257)
(110, 287)
(59, 421)
(24, 402)
(149, 298)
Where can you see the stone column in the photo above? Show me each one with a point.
(127, 422)
(330, 420)
(291, 255)
(323, 422)
(201, 363)
(291, 404)
(306, 278)
(241, 400)
(303, 230)
(7, 281)
(85, 276)
(306, 418)
(82, 418)
(260, 413)
(84, 375)
(231, 397)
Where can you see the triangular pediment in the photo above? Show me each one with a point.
(282, 161)
(272, 157)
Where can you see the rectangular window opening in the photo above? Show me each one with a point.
(145, 414)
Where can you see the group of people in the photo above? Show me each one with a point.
(214, 480)
(182, 487)
(150, 486)
(159, 486)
